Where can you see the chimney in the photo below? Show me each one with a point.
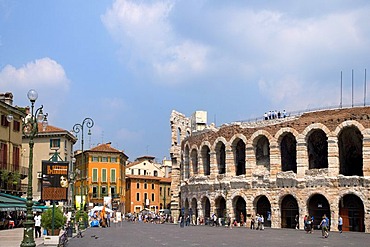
(7, 98)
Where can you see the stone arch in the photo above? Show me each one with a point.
(350, 145)
(288, 150)
(206, 207)
(263, 207)
(186, 162)
(351, 208)
(194, 160)
(261, 146)
(239, 151)
(261, 141)
(317, 148)
(289, 210)
(206, 159)
(194, 206)
(220, 204)
(220, 149)
(240, 208)
(317, 206)
(186, 203)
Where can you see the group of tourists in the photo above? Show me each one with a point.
(149, 217)
(274, 114)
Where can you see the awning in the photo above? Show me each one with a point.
(20, 207)
(15, 203)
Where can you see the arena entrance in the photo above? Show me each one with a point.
(318, 205)
(351, 209)
(240, 209)
(220, 207)
(289, 209)
(194, 206)
(264, 208)
(207, 210)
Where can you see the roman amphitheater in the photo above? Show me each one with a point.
(313, 163)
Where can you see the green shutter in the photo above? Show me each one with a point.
(104, 175)
(113, 175)
(95, 175)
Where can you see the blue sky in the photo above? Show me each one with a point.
(128, 64)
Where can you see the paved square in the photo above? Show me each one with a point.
(152, 235)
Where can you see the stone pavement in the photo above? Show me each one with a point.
(14, 237)
(140, 234)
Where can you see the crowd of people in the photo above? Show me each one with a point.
(274, 114)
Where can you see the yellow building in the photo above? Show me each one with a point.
(103, 177)
(11, 168)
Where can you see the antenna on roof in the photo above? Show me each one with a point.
(365, 89)
(352, 87)
(341, 89)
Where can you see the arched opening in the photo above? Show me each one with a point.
(350, 152)
(318, 205)
(221, 157)
(220, 207)
(194, 161)
(186, 163)
(206, 210)
(240, 209)
(262, 150)
(264, 208)
(178, 136)
(351, 208)
(288, 151)
(206, 158)
(240, 158)
(194, 206)
(317, 149)
(289, 209)
(186, 207)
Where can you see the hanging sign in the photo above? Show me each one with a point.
(54, 184)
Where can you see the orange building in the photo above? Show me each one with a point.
(147, 186)
(103, 177)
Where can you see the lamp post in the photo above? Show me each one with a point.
(76, 129)
(30, 130)
(72, 179)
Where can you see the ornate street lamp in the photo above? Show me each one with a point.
(30, 130)
(72, 178)
(76, 129)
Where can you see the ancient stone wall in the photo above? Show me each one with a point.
(319, 178)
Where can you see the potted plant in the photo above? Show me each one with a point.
(83, 217)
(47, 219)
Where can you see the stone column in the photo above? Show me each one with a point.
(250, 163)
(275, 160)
(366, 158)
(230, 164)
(333, 156)
(200, 164)
(302, 157)
(213, 165)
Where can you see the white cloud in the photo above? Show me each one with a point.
(44, 75)
(43, 72)
(147, 37)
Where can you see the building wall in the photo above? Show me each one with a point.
(11, 138)
(137, 186)
(264, 184)
(43, 151)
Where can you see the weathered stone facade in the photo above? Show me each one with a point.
(312, 164)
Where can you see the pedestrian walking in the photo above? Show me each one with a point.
(37, 219)
(324, 227)
(340, 224)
